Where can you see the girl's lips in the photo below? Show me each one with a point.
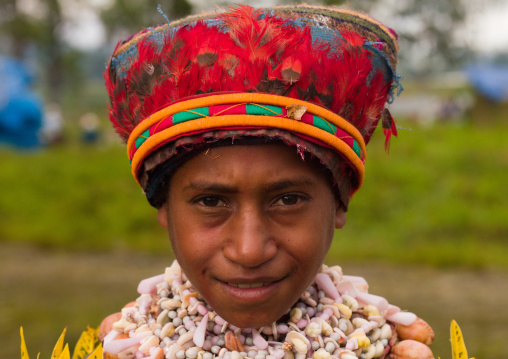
(251, 291)
(249, 285)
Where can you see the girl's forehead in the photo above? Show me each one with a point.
(269, 164)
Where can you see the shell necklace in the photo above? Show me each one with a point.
(335, 318)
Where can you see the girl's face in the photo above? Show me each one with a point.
(250, 227)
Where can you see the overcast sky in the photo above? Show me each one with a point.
(486, 31)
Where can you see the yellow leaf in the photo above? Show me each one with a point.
(65, 353)
(59, 346)
(24, 351)
(85, 344)
(458, 347)
(97, 353)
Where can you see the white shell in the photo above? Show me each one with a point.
(295, 315)
(344, 310)
(380, 348)
(313, 329)
(166, 330)
(147, 343)
(370, 310)
(351, 302)
(386, 331)
(299, 346)
(185, 338)
(321, 354)
(370, 352)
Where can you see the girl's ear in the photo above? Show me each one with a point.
(162, 215)
(340, 217)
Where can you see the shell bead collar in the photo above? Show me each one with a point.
(335, 318)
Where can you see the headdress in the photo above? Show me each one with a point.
(317, 78)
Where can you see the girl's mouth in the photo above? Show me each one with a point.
(249, 285)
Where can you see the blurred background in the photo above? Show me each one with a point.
(429, 229)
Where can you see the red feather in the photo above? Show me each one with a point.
(389, 127)
(258, 52)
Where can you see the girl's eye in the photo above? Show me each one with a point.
(210, 201)
(289, 200)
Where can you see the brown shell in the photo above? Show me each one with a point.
(232, 342)
(107, 324)
(419, 330)
(411, 349)
(155, 309)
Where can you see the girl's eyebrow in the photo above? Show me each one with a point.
(289, 183)
(270, 187)
(209, 186)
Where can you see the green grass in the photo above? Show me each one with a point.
(75, 197)
(440, 197)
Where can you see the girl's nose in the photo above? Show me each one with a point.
(250, 242)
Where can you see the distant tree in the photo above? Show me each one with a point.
(38, 26)
(125, 17)
(18, 29)
(429, 30)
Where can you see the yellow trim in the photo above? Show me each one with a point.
(245, 98)
(246, 121)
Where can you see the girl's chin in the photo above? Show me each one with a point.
(242, 321)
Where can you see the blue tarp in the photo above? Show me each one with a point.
(20, 108)
(489, 80)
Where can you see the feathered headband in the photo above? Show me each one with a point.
(314, 77)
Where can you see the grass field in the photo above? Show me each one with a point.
(440, 197)
(47, 290)
(76, 234)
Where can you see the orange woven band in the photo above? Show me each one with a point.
(336, 132)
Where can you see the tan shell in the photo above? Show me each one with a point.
(361, 337)
(326, 328)
(288, 355)
(287, 346)
(163, 318)
(171, 304)
(380, 349)
(173, 349)
(333, 308)
(128, 353)
(154, 309)
(295, 315)
(232, 342)
(321, 354)
(313, 329)
(185, 338)
(299, 346)
(172, 272)
(386, 331)
(351, 302)
(158, 354)
(326, 300)
(296, 112)
(147, 343)
(167, 330)
(419, 330)
(336, 272)
(370, 352)
(370, 310)
(295, 335)
(411, 349)
(344, 310)
(186, 298)
(107, 324)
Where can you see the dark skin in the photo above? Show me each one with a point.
(250, 225)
